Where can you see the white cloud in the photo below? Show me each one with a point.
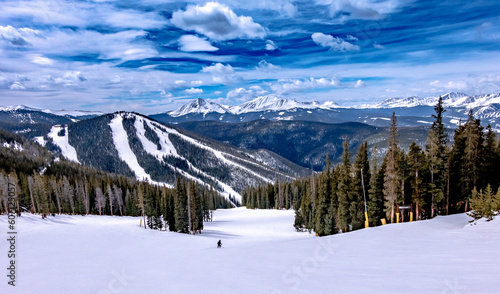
(192, 91)
(18, 36)
(334, 43)
(180, 83)
(267, 66)
(351, 38)
(271, 46)
(378, 46)
(298, 85)
(196, 83)
(75, 76)
(165, 94)
(17, 86)
(80, 14)
(125, 45)
(243, 94)
(218, 22)
(223, 74)
(39, 59)
(451, 85)
(191, 43)
(359, 84)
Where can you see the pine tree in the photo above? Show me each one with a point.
(343, 189)
(471, 158)
(323, 201)
(391, 182)
(357, 203)
(375, 193)
(416, 162)
(181, 213)
(491, 160)
(436, 156)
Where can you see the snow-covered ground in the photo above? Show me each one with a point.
(262, 254)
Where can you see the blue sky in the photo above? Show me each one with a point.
(152, 56)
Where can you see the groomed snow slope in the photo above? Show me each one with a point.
(67, 150)
(262, 254)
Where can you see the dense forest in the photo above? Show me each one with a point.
(418, 183)
(50, 186)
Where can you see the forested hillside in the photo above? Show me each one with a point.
(51, 186)
(440, 179)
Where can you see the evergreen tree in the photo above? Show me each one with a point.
(471, 166)
(391, 182)
(357, 203)
(416, 163)
(181, 213)
(375, 192)
(343, 189)
(323, 201)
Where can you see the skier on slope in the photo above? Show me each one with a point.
(219, 244)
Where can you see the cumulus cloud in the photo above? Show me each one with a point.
(192, 91)
(334, 43)
(243, 94)
(196, 83)
(359, 84)
(17, 86)
(191, 43)
(271, 46)
(18, 36)
(298, 85)
(267, 66)
(223, 74)
(218, 22)
(378, 46)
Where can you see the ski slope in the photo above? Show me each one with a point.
(261, 254)
(62, 142)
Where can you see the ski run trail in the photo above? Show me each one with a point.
(261, 253)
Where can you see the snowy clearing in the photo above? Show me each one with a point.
(67, 150)
(261, 254)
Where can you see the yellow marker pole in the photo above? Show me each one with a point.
(384, 222)
(411, 216)
(397, 217)
(366, 220)
(140, 224)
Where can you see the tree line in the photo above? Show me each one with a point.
(425, 181)
(49, 186)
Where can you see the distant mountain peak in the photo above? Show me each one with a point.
(198, 106)
(272, 103)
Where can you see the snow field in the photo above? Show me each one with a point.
(261, 254)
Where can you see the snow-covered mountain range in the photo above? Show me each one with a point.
(452, 99)
(62, 112)
(273, 103)
(263, 103)
(411, 111)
